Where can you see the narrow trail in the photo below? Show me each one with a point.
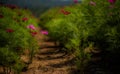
(50, 60)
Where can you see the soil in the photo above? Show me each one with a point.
(49, 59)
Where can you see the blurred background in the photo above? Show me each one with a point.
(38, 6)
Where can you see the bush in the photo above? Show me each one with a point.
(66, 28)
(103, 23)
(17, 30)
(91, 22)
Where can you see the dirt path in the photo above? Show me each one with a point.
(50, 60)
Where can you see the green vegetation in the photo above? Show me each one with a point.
(16, 36)
(89, 25)
(81, 29)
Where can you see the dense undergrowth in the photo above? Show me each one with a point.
(17, 31)
(83, 28)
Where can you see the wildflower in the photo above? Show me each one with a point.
(31, 27)
(9, 30)
(1, 16)
(24, 19)
(33, 33)
(111, 1)
(75, 1)
(65, 12)
(62, 10)
(92, 3)
(44, 32)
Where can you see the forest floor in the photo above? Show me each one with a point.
(50, 59)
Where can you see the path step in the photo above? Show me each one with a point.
(50, 59)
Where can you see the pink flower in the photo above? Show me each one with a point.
(112, 1)
(24, 19)
(75, 1)
(31, 27)
(92, 3)
(45, 32)
(9, 30)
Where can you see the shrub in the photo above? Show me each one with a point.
(16, 36)
(91, 22)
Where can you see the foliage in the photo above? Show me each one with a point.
(91, 22)
(16, 36)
